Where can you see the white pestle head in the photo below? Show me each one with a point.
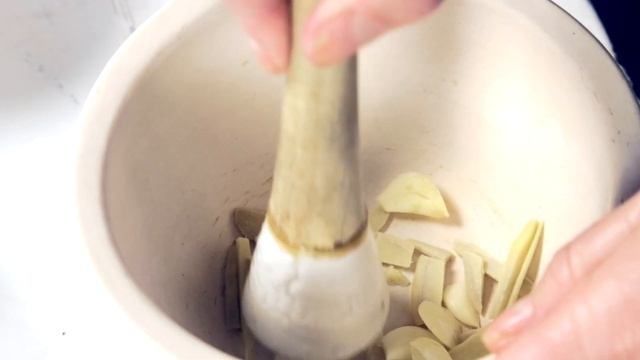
(315, 306)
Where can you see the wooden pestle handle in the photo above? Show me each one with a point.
(316, 201)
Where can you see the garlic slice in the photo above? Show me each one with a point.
(431, 250)
(524, 269)
(493, 267)
(473, 278)
(471, 349)
(413, 193)
(441, 322)
(458, 302)
(396, 342)
(428, 284)
(517, 259)
(394, 251)
(395, 277)
(427, 349)
(378, 218)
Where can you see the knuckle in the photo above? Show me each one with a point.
(564, 265)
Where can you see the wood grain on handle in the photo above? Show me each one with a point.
(316, 201)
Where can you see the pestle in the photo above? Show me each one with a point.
(316, 289)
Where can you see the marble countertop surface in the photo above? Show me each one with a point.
(52, 303)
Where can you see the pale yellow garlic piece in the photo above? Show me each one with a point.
(518, 254)
(394, 251)
(458, 302)
(431, 250)
(428, 349)
(248, 221)
(468, 332)
(378, 218)
(413, 193)
(396, 343)
(395, 277)
(534, 266)
(474, 278)
(471, 349)
(428, 284)
(493, 267)
(524, 269)
(441, 322)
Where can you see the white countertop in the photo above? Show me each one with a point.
(52, 303)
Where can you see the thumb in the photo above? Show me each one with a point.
(597, 319)
(572, 265)
(338, 27)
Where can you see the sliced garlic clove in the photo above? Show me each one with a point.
(431, 250)
(378, 218)
(517, 257)
(413, 193)
(524, 269)
(493, 267)
(441, 322)
(428, 349)
(396, 342)
(534, 267)
(458, 302)
(474, 278)
(395, 277)
(467, 333)
(428, 284)
(248, 221)
(394, 251)
(471, 349)
(232, 315)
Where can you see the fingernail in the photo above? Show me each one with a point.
(508, 325)
(334, 35)
(265, 59)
